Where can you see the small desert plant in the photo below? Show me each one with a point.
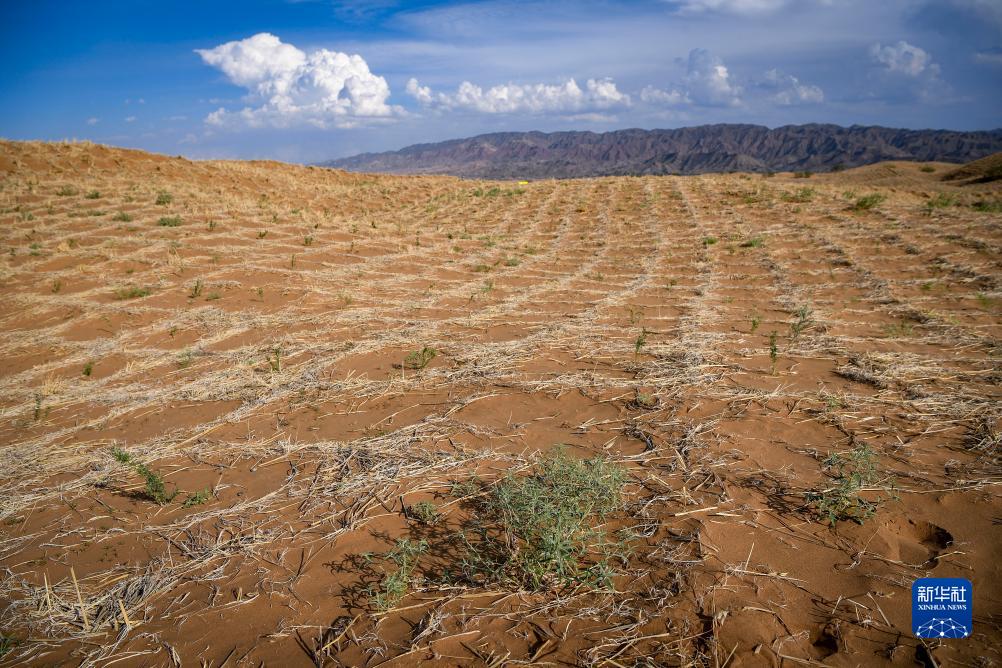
(164, 198)
(156, 489)
(275, 361)
(754, 242)
(640, 341)
(197, 499)
(801, 195)
(928, 169)
(308, 240)
(419, 359)
(511, 262)
(803, 175)
(169, 221)
(6, 644)
(185, 359)
(393, 587)
(541, 530)
(196, 289)
(262, 234)
(900, 329)
(66, 191)
(851, 473)
(867, 202)
(39, 413)
(131, 292)
(802, 322)
(211, 225)
(773, 351)
(643, 400)
(709, 241)
(987, 207)
(122, 217)
(424, 512)
(88, 369)
(57, 285)
(755, 322)
(941, 201)
(93, 194)
(212, 296)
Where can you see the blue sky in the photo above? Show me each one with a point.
(315, 79)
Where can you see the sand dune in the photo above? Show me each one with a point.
(229, 389)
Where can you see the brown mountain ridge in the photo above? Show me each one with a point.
(692, 150)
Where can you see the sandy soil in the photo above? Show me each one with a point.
(256, 352)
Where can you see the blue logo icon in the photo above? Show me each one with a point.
(941, 608)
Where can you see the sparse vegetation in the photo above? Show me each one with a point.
(132, 292)
(156, 488)
(164, 198)
(851, 473)
(419, 359)
(773, 351)
(867, 202)
(169, 221)
(394, 585)
(801, 195)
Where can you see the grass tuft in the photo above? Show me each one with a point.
(419, 359)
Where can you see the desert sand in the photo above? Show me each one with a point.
(230, 389)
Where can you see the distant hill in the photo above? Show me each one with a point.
(984, 170)
(695, 150)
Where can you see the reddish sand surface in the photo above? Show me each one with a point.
(245, 330)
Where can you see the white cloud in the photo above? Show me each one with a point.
(668, 98)
(787, 90)
(708, 81)
(93, 120)
(323, 88)
(904, 58)
(130, 119)
(527, 98)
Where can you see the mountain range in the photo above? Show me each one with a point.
(692, 150)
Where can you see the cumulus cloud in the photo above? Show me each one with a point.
(708, 81)
(788, 90)
(668, 98)
(524, 98)
(904, 58)
(291, 87)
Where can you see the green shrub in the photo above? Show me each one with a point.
(419, 359)
(543, 529)
(867, 202)
(850, 473)
(131, 292)
(169, 221)
(394, 585)
(156, 489)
